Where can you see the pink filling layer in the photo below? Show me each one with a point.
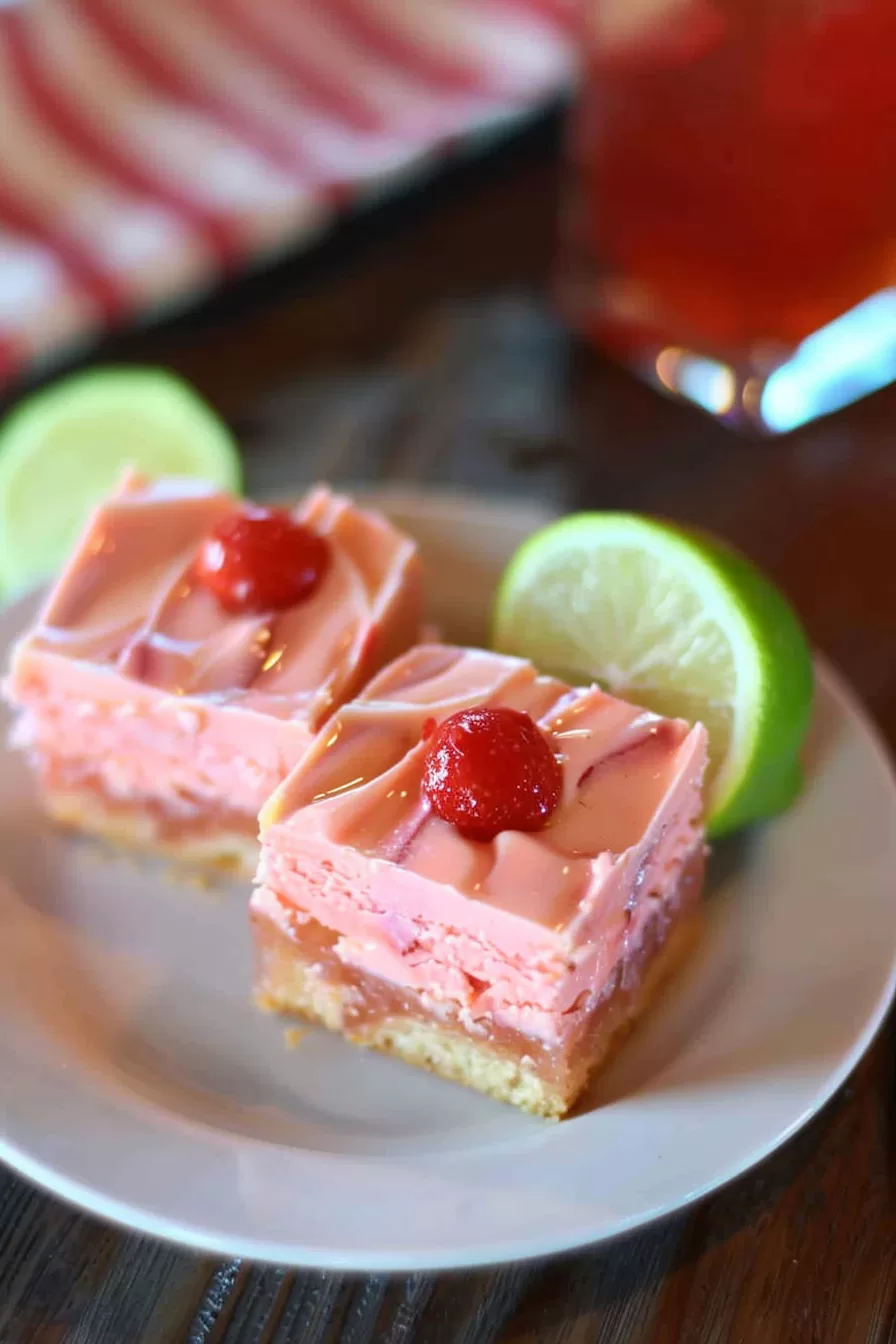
(517, 929)
(139, 743)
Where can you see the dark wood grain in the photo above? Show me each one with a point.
(420, 348)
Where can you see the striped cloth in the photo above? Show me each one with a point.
(148, 148)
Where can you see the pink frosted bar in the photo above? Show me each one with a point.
(167, 715)
(524, 933)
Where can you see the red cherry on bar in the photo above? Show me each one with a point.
(491, 770)
(261, 560)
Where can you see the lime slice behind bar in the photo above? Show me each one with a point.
(62, 449)
(680, 623)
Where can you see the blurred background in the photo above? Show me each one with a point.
(150, 153)
(726, 225)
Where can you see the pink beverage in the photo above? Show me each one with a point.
(735, 196)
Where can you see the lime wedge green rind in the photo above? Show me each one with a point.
(63, 448)
(681, 623)
(782, 792)
(786, 694)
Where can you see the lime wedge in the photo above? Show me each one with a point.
(680, 623)
(63, 448)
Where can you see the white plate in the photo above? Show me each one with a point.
(138, 1083)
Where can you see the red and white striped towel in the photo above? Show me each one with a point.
(147, 149)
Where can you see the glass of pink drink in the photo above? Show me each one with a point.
(732, 228)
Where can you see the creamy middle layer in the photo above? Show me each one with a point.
(518, 928)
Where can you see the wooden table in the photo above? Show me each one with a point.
(419, 346)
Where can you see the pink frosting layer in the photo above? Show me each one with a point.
(518, 928)
(134, 668)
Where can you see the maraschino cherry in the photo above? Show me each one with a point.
(491, 770)
(261, 559)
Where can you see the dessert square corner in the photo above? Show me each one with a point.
(154, 717)
(510, 965)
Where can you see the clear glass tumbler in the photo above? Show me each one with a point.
(731, 231)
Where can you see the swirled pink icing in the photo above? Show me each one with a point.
(519, 926)
(135, 669)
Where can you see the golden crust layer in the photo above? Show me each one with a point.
(295, 981)
(209, 841)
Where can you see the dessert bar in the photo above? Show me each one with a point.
(190, 651)
(482, 871)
